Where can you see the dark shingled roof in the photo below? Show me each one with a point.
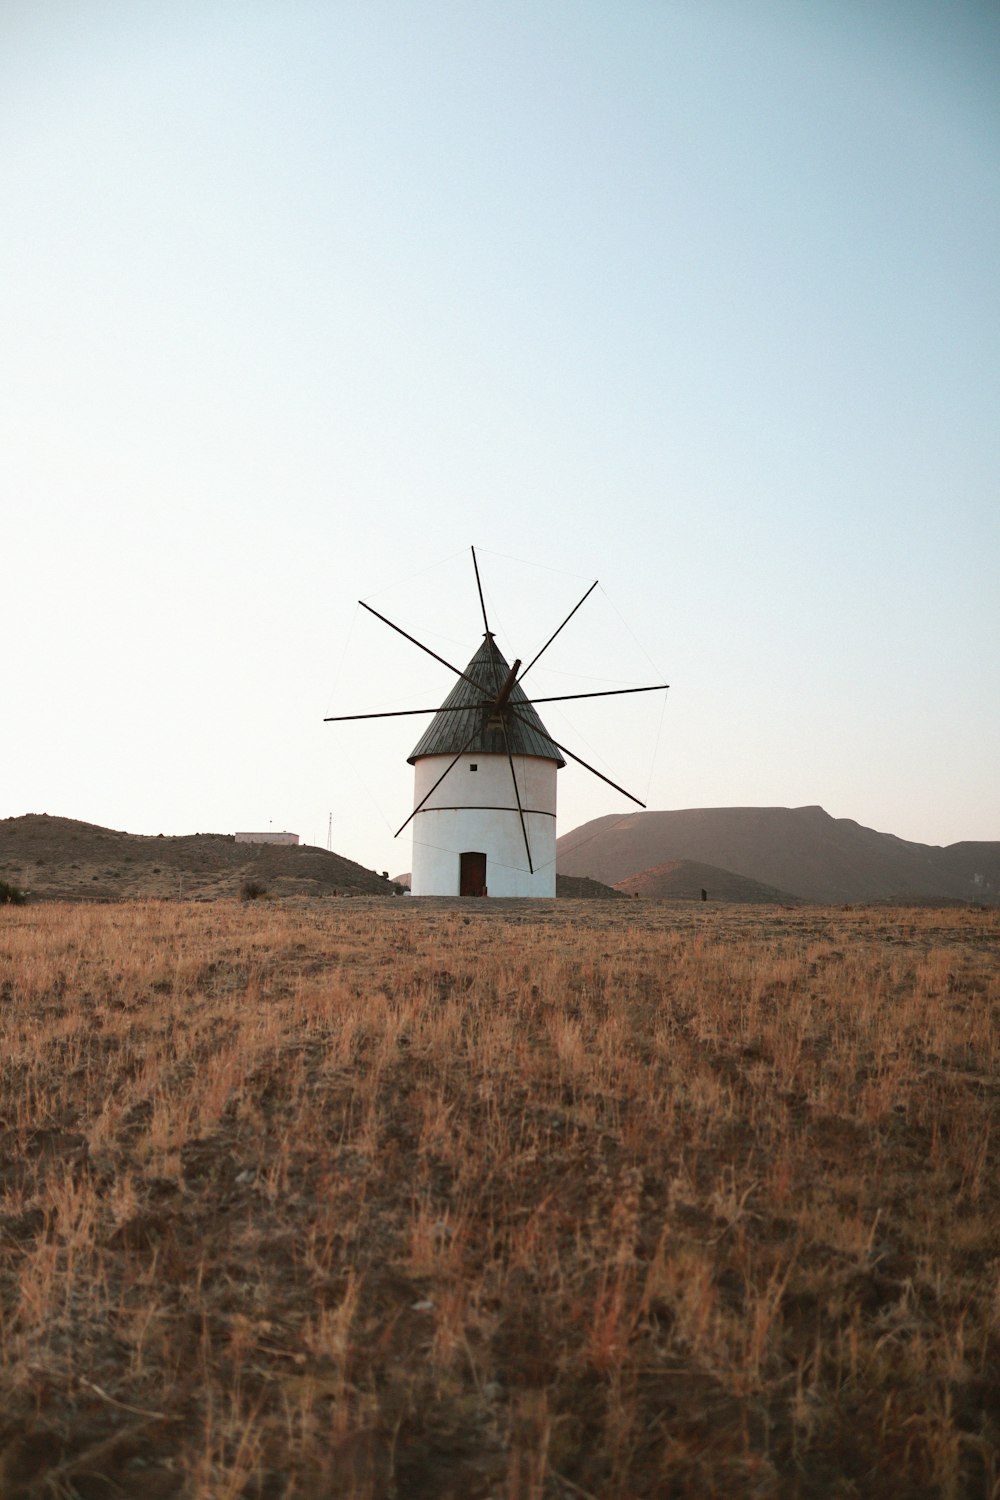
(461, 717)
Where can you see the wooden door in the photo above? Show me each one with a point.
(473, 874)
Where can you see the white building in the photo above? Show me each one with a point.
(485, 790)
(267, 838)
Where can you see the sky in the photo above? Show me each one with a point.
(300, 302)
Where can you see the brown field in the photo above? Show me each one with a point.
(460, 1199)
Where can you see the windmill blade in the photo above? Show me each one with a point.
(565, 622)
(392, 713)
(479, 586)
(657, 687)
(486, 625)
(450, 766)
(517, 798)
(504, 694)
(586, 764)
(412, 638)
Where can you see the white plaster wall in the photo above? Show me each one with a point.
(478, 810)
(266, 838)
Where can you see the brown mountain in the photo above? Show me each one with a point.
(685, 879)
(581, 888)
(66, 860)
(801, 850)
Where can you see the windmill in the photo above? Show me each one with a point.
(484, 772)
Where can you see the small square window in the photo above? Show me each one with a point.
(473, 767)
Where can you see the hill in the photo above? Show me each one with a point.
(685, 879)
(580, 887)
(66, 860)
(801, 850)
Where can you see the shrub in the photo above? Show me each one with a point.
(252, 890)
(11, 894)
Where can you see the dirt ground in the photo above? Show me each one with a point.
(405, 1199)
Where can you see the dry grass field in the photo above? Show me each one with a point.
(404, 1199)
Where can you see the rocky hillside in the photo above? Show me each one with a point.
(63, 859)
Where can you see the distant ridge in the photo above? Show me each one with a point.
(685, 879)
(737, 854)
(802, 851)
(580, 888)
(63, 859)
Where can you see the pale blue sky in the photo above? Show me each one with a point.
(300, 300)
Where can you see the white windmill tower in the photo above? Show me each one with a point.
(484, 804)
(484, 789)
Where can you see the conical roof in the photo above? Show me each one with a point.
(462, 723)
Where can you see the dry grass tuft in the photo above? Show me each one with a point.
(378, 1199)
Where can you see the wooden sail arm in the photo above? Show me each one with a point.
(398, 713)
(450, 766)
(517, 798)
(656, 687)
(587, 767)
(565, 622)
(479, 586)
(412, 638)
